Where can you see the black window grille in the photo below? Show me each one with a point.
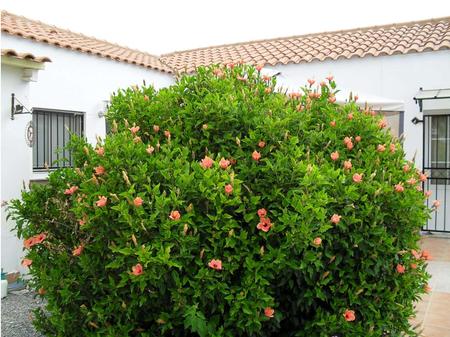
(52, 131)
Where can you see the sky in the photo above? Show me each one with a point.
(164, 26)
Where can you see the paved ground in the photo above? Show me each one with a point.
(433, 311)
(16, 314)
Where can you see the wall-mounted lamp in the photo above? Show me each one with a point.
(105, 106)
(416, 120)
(17, 108)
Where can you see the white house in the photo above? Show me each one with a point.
(386, 66)
(65, 79)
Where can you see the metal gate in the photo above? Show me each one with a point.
(436, 165)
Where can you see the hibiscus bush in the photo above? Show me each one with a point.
(221, 206)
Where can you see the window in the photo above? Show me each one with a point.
(394, 120)
(437, 148)
(52, 130)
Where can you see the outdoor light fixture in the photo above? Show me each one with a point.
(416, 120)
(104, 109)
(17, 108)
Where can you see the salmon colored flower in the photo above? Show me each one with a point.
(215, 264)
(137, 139)
(259, 67)
(228, 189)
(422, 177)
(426, 255)
(347, 165)
(349, 146)
(411, 181)
(71, 190)
(264, 224)
(311, 82)
(334, 156)
(269, 312)
(39, 238)
(175, 215)
(350, 116)
(137, 269)
(317, 241)
(266, 78)
(78, 250)
(382, 124)
(413, 266)
(146, 98)
(323, 84)
(42, 291)
(347, 140)
(138, 201)
(99, 170)
(357, 139)
(357, 178)
(261, 144)
(392, 148)
(28, 243)
(419, 188)
(329, 78)
(335, 218)
(406, 168)
(268, 90)
(100, 151)
(400, 269)
(26, 263)
(331, 99)
(256, 155)
(218, 72)
(156, 128)
(349, 315)
(206, 162)
(355, 98)
(167, 134)
(262, 212)
(81, 222)
(416, 255)
(242, 78)
(101, 202)
(333, 124)
(427, 288)
(399, 188)
(428, 194)
(134, 129)
(150, 149)
(381, 148)
(223, 163)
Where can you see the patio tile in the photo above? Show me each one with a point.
(438, 315)
(435, 331)
(442, 298)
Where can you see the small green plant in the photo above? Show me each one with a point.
(219, 207)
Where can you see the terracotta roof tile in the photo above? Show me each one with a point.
(401, 38)
(41, 32)
(25, 56)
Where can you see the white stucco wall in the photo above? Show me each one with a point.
(72, 81)
(397, 77)
(16, 159)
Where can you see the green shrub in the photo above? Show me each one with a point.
(219, 207)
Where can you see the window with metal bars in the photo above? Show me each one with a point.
(437, 148)
(52, 130)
